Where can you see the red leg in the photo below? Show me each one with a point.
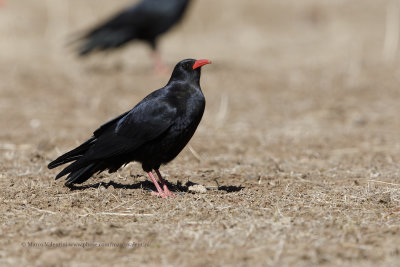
(166, 190)
(159, 67)
(160, 191)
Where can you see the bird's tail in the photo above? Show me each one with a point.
(81, 169)
(103, 38)
(72, 155)
(79, 175)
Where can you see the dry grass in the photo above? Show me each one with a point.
(298, 149)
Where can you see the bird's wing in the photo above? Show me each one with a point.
(136, 15)
(145, 13)
(115, 31)
(158, 16)
(108, 124)
(145, 122)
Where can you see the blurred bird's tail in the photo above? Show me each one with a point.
(103, 38)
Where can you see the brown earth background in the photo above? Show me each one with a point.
(298, 148)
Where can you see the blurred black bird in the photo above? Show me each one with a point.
(145, 21)
(153, 133)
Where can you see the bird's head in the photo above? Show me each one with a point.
(188, 70)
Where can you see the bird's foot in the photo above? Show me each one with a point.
(163, 194)
(167, 192)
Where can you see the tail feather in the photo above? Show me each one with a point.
(83, 168)
(74, 167)
(103, 39)
(81, 175)
(72, 155)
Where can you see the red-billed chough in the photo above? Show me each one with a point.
(153, 133)
(145, 21)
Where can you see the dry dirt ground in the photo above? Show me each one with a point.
(299, 147)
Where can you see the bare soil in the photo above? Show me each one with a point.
(298, 148)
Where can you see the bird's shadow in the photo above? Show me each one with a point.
(142, 184)
(179, 187)
(228, 189)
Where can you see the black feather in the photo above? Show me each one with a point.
(73, 154)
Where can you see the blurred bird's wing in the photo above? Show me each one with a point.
(117, 30)
(138, 15)
(145, 14)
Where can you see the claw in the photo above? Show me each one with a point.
(158, 194)
(167, 192)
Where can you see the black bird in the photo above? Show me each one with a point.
(145, 21)
(153, 133)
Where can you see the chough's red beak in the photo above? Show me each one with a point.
(201, 62)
